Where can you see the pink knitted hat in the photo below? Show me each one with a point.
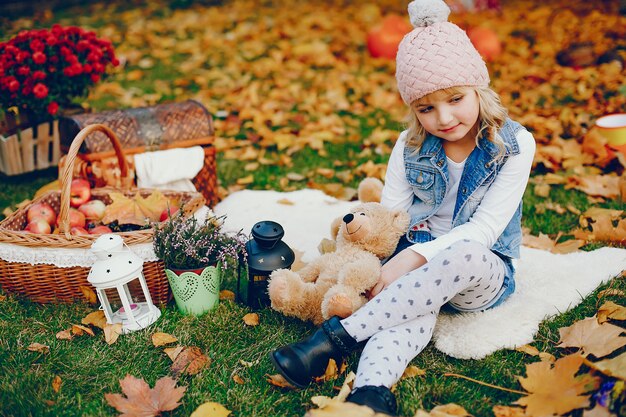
(436, 54)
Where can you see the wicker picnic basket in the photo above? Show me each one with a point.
(48, 282)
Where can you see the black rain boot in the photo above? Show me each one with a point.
(378, 398)
(301, 361)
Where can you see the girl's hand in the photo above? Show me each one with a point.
(406, 261)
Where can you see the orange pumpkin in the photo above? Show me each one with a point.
(485, 41)
(383, 40)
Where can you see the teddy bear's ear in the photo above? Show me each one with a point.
(401, 220)
(334, 227)
(370, 190)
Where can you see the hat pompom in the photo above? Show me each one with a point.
(424, 13)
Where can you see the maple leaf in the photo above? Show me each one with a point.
(544, 242)
(112, 332)
(279, 381)
(553, 388)
(593, 338)
(141, 401)
(38, 347)
(136, 210)
(88, 293)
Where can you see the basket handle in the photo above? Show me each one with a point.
(68, 170)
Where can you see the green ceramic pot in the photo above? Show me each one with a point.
(196, 291)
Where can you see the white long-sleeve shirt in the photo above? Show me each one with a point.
(492, 215)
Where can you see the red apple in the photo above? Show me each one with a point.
(39, 225)
(99, 230)
(41, 210)
(78, 231)
(165, 214)
(76, 218)
(93, 210)
(80, 192)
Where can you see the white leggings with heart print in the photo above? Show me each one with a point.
(400, 320)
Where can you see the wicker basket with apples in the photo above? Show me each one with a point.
(72, 218)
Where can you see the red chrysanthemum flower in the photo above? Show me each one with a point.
(39, 58)
(40, 90)
(53, 108)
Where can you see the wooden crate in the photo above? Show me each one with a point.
(30, 149)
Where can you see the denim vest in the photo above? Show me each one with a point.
(427, 173)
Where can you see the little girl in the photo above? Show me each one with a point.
(460, 171)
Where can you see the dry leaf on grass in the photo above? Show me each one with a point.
(593, 338)
(239, 380)
(141, 401)
(615, 367)
(211, 409)
(160, 339)
(56, 383)
(88, 293)
(79, 330)
(64, 335)
(554, 389)
(38, 347)
(173, 352)
(112, 332)
(2, 298)
(610, 310)
(331, 373)
(528, 349)
(95, 318)
(227, 295)
(190, 361)
(609, 292)
(505, 411)
(412, 371)
(343, 409)
(544, 242)
(279, 381)
(447, 410)
(251, 319)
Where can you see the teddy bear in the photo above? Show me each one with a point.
(335, 283)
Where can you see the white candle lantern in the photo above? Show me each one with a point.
(115, 268)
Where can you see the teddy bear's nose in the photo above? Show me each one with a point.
(348, 218)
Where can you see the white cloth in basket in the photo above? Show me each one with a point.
(171, 169)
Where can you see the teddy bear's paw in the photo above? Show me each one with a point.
(339, 305)
(284, 289)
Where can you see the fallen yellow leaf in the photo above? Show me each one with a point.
(56, 383)
(446, 410)
(95, 318)
(160, 339)
(79, 330)
(173, 352)
(528, 349)
(251, 319)
(64, 335)
(412, 371)
(112, 332)
(211, 409)
(88, 293)
(593, 338)
(505, 411)
(38, 347)
(279, 381)
(227, 295)
(239, 380)
(190, 361)
(610, 310)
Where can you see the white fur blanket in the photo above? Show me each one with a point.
(547, 284)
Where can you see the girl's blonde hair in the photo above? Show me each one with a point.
(491, 117)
